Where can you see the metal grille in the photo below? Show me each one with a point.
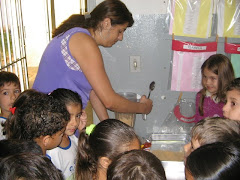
(12, 45)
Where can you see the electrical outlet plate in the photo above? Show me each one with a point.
(135, 64)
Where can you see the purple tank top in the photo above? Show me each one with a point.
(59, 69)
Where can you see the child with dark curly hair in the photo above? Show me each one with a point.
(39, 117)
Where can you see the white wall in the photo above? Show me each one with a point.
(35, 29)
(144, 6)
(35, 22)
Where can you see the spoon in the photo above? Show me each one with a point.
(151, 88)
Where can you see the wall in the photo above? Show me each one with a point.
(36, 27)
(149, 39)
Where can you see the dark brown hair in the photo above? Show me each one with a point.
(220, 65)
(8, 77)
(113, 9)
(109, 138)
(36, 114)
(136, 164)
(28, 166)
(234, 85)
(220, 160)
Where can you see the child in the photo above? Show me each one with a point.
(25, 166)
(64, 156)
(217, 73)
(39, 117)
(210, 130)
(99, 147)
(231, 109)
(9, 91)
(136, 164)
(214, 161)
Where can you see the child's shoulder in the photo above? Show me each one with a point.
(2, 119)
(199, 94)
(73, 138)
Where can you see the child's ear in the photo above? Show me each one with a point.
(46, 140)
(105, 162)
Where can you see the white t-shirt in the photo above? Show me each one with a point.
(2, 120)
(65, 158)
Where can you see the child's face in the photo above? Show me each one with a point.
(55, 139)
(231, 109)
(75, 112)
(210, 81)
(190, 147)
(188, 175)
(8, 93)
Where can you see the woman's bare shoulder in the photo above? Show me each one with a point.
(82, 42)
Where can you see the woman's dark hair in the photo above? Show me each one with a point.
(217, 161)
(36, 115)
(113, 9)
(220, 65)
(27, 166)
(66, 96)
(136, 164)
(109, 138)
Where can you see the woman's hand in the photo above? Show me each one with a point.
(83, 121)
(148, 104)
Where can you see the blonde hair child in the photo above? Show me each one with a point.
(38, 117)
(210, 130)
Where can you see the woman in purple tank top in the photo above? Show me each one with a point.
(73, 60)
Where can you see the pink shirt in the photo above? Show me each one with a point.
(210, 108)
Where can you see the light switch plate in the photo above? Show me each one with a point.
(135, 64)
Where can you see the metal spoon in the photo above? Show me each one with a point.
(151, 88)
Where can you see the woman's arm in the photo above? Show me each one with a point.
(98, 106)
(85, 50)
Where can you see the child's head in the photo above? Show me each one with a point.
(210, 130)
(108, 139)
(217, 73)
(12, 146)
(136, 164)
(9, 91)
(73, 103)
(37, 117)
(220, 160)
(231, 110)
(26, 166)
